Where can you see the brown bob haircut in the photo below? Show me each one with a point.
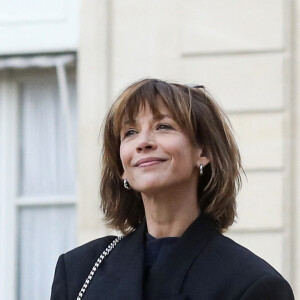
(204, 122)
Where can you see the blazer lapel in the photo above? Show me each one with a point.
(126, 262)
(167, 277)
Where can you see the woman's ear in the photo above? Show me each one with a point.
(203, 161)
(203, 158)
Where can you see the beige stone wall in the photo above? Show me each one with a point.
(295, 144)
(245, 53)
(92, 95)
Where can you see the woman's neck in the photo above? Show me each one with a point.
(170, 216)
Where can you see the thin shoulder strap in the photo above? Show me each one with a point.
(105, 253)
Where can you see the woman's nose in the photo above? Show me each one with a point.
(146, 142)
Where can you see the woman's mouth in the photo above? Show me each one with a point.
(150, 163)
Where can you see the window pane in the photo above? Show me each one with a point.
(47, 157)
(44, 233)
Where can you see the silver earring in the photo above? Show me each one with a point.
(126, 184)
(201, 170)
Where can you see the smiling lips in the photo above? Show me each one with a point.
(145, 162)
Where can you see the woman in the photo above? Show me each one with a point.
(171, 173)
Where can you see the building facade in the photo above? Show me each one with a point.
(61, 66)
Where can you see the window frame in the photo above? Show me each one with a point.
(10, 200)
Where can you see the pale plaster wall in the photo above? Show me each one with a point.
(92, 98)
(295, 144)
(245, 53)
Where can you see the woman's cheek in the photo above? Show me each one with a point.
(125, 156)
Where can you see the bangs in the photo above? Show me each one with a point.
(151, 93)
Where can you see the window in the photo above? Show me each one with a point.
(38, 179)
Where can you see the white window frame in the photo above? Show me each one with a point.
(10, 201)
(8, 180)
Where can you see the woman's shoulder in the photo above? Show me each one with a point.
(241, 257)
(73, 267)
(274, 286)
(89, 250)
(81, 259)
(247, 274)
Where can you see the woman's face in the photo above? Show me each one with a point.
(156, 154)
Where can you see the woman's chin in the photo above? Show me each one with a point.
(151, 188)
(148, 189)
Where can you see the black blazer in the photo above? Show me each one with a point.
(204, 265)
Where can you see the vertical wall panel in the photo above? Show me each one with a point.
(260, 138)
(242, 83)
(231, 25)
(260, 202)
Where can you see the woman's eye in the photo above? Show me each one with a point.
(164, 126)
(129, 132)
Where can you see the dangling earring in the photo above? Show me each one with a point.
(126, 184)
(201, 170)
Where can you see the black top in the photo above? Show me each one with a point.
(203, 264)
(156, 249)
